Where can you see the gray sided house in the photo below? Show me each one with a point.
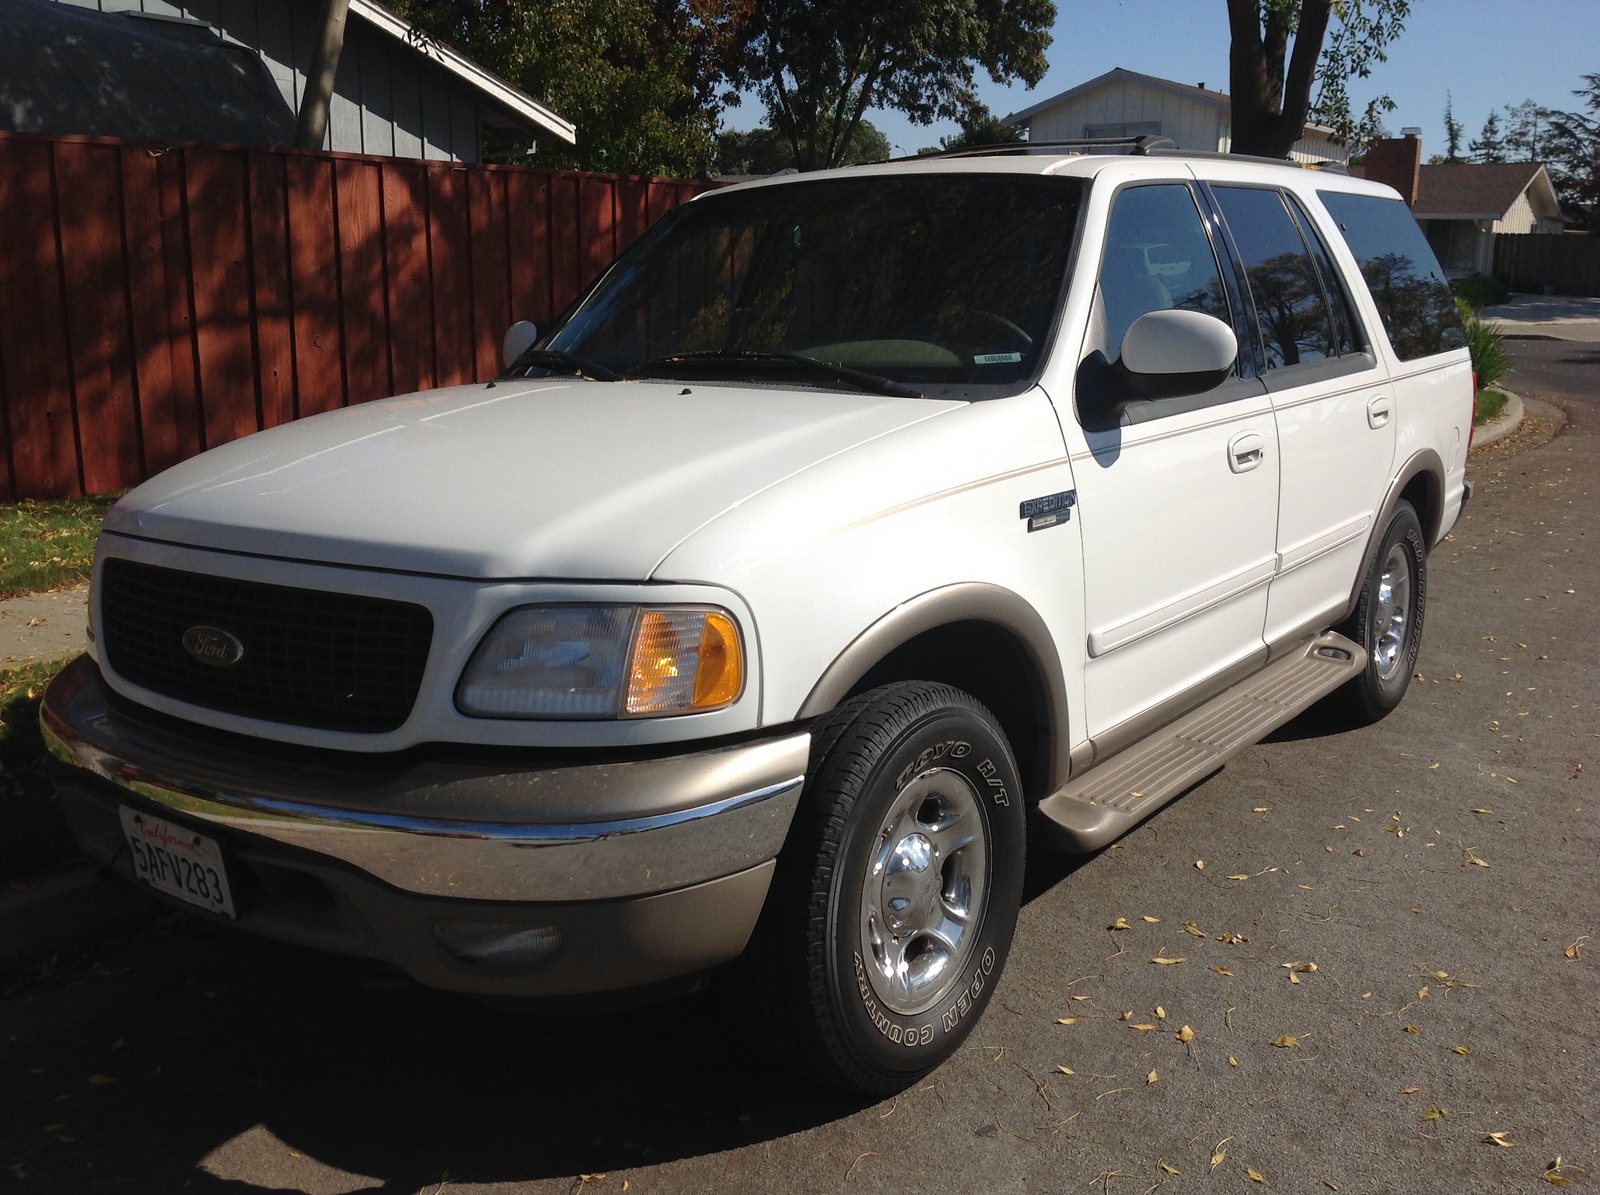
(1124, 103)
(233, 71)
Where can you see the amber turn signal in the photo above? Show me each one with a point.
(684, 660)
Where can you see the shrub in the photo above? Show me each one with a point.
(1489, 358)
(1481, 291)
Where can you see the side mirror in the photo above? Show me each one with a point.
(1170, 353)
(519, 338)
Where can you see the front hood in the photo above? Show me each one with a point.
(548, 478)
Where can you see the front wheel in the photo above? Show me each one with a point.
(1388, 618)
(894, 902)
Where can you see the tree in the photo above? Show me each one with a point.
(819, 65)
(766, 151)
(1574, 161)
(1271, 85)
(980, 127)
(1452, 133)
(1489, 146)
(1526, 132)
(644, 81)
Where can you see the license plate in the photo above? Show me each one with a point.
(174, 859)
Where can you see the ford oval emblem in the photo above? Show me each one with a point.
(213, 645)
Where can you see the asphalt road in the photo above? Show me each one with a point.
(1437, 870)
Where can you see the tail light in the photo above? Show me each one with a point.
(1472, 428)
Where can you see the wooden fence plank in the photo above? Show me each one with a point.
(1567, 263)
(96, 273)
(149, 326)
(450, 265)
(491, 281)
(566, 270)
(269, 276)
(405, 249)
(34, 347)
(362, 294)
(219, 248)
(528, 233)
(314, 286)
(597, 226)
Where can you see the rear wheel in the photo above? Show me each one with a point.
(895, 900)
(1388, 618)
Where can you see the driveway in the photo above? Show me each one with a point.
(1382, 941)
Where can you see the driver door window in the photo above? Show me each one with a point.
(1158, 257)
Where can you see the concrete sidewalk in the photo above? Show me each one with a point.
(1560, 317)
(43, 626)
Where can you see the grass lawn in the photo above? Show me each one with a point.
(33, 835)
(48, 545)
(1490, 404)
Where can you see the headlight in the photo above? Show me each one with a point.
(597, 662)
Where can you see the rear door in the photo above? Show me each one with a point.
(1335, 412)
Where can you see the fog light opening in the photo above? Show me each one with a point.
(498, 945)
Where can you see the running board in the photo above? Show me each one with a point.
(1111, 798)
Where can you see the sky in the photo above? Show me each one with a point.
(1483, 53)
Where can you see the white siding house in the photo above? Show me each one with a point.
(396, 94)
(1124, 103)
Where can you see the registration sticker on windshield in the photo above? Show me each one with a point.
(996, 358)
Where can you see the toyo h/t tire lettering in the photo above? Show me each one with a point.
(1388, 618)
(895, 899)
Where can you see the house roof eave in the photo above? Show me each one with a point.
(495, 89)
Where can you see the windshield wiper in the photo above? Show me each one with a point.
(561, 362)
(737, 361)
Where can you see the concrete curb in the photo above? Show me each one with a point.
(61, 911)
(1503, 424)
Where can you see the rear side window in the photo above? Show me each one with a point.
(1296, 325)
(1410, 290)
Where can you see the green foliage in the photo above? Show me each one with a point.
(765, 151)
(820, 65)
(1481, 291)
(1573, 154)
(1271, 85)
(33, 834)
(47, 545)
(1490, 404)
(1489, 358)
(1489, 145)
(980, 127)
(1453, 132)
(643, 80)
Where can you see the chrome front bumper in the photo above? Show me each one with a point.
(594, 832)
(643, 868)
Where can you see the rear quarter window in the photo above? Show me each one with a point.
(1411, 292)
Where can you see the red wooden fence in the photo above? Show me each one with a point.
(156, 301)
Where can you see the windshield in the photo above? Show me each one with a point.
(944, 285)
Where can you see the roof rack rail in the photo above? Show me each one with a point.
(1134, 145)
(1147, 145)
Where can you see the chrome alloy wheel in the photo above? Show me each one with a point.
(923, 893)
(1391, 623)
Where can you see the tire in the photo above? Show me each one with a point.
(1388, 618)
(894, 901)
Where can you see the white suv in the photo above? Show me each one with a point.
(851, 527)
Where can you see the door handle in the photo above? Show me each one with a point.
(1378, 412)
(1245, 452)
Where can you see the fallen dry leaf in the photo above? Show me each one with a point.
(1066, 1070)
(1255, 1175)
(1240, 876)
(1409, 1090)
(1119, 923)
(1142, 1028)
(1152, 1077)
(1412, 1029)
(1232, 939)
(1576, 949)
(1216, 1158)
(1435, 1113)
(1164, 1168)
(1150, 919)
(1223, 971)
(1462, 1050)
(1167, 962)
(1161, 1013)
(1200, 864)
(1193, 930)
(1422, 992)
(1066, 1020)
(1499, 1139)
(1287, 1041)
(1232, 1061)
(1186, 1035)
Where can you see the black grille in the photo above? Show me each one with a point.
(335, 661)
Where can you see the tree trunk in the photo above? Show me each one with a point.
(1269, 106)
(312, 125)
